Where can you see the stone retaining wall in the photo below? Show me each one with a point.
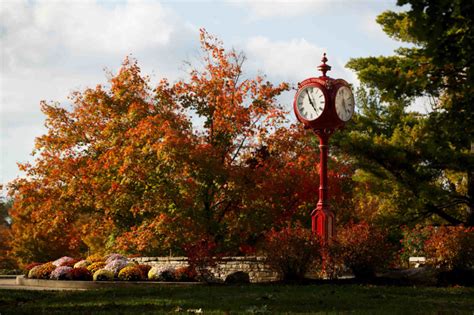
(256, 268)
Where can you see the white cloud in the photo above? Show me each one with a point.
(38, 32)
(51, 48)
(282, 8)
(293, 60)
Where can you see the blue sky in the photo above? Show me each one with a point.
(51, 48)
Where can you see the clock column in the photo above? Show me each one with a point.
(322, 218)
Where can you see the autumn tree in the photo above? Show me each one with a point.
(152, 170)
(417, 166)
(6, 261)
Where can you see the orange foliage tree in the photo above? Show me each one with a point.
(151, 170)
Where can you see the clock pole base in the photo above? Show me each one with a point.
(323, 224)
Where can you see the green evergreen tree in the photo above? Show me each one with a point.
(418, 166)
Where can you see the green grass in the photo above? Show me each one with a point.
(271, 299)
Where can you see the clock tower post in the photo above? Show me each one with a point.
(324, 105)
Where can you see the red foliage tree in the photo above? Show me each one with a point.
(127, 168)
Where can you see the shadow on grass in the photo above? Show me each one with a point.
(343, 296)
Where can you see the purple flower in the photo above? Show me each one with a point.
(61, 273)
(113, 257)
(116, 265)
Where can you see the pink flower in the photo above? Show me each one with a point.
(116, 265)
(63, 261)
(61, 273)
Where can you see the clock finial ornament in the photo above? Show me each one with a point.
(324, 67)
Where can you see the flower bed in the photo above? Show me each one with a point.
(113, 267)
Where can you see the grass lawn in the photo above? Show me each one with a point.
(271, 299)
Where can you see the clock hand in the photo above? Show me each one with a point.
(311, 101)
(349, 107)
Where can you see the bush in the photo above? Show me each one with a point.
(161, 274)
(291, 251)
(154, 273)
(44, 271)
(130, 273)
(29, 267)
(96, 266)
(113, 257)
(116, 265)
(65, 261)
(361, 248)
(82, 264)
(451, 248)
(71, 263)
(413, 241)
(103, 275)
(33, 273)
(185, 274)
(81, 274)
(144, 269)
(168, 275)
(95, 258)
(61, 273)
(202, 255)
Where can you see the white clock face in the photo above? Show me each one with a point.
(344, 103)
(310, 102)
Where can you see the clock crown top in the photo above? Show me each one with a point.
(324, 67)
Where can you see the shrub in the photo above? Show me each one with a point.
(185, 274)
(33, 273)
(202, 255)
(95, 258)
(154, 273)
(130, 273)
(413, 241)
(332, 262)
(82, 264)
(29, 267)
(96, 266)
(168, 275)
(45, 270)
(361, 248)
(64, 261)
(113, 257)
(71, 263)
(144, 270)
(81, 274)
(103, 275)
(131, 264)
(116, 265)
(161, 274)
(451, 248)
(291, 251)
(61, 273)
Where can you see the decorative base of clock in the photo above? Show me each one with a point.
(323, 224)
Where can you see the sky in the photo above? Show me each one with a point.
(52, 48)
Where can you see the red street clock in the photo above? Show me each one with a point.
(324, 105)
